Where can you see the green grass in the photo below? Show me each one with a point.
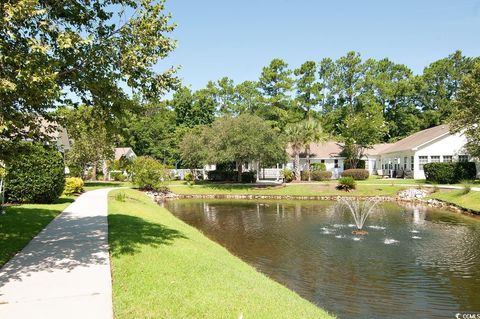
(89, 186)
(23, 222)
(469, 201)
(164, 268)
(317, 189)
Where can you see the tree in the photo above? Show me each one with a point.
(437, 87)
(309, 91)
(194, 148)
(243, 139)
(466, 117)
(92, 142)
(193, 109)
(312, 132)
(248, 97)
(275, 85)
(295, 137)
(58, 53)
(360, 131)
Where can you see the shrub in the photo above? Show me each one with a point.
(356, 174)
(118, 176)
(73, 185)
(249, 177)
(449, 173)
(288, 175)
(149, 174)
(120, 197)
(321, 175)
(347, 164)
(466, 188)
(318, 167)
(346, 184)
(35, 174)
(304, 175)
(189, 177)
(222, 176)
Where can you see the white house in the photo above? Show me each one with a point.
(124, 152)
(404, 158)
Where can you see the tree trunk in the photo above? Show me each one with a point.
(239, 168)
(297, 167)
(307, 151)
(94, 172)
(105, 170)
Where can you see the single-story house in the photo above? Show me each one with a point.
(124, 152)
(404, 158)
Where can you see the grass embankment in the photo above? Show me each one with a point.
(470, 200)
(313, 189)
(164, 268)
(23, 222)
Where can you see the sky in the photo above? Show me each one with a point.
(238, 38)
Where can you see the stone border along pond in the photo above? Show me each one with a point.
(412, 195)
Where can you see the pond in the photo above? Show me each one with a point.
(414, 262)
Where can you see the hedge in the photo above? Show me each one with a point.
(321, 175)
(318, 167)
(347, 164)
(222, 176)
(450, 173)
(35, 174)
(356, 174)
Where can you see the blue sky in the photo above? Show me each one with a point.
(237, 38)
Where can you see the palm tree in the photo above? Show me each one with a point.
(312, 132)
(295, 137)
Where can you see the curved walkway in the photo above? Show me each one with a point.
(64, 272)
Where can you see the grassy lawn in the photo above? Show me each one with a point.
(23, 222)
(317, 189)
(469, 201)
(164, 268)
(89, 186)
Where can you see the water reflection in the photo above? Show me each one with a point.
(415, 261)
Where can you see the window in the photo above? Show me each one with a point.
(435, 159)
(336, 163)
(412, 163)
(447, 158)
(322, 161)
(405, 159)
(463, 158)
(422, 160)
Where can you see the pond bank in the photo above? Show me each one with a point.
(164, 268)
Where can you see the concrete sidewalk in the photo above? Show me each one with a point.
(64, 272)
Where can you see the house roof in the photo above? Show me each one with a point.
(418, 139)
(378, 149)
(321, 150)
(122, 151)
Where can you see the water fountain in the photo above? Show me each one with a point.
(360, 210)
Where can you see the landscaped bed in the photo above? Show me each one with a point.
(163, 268)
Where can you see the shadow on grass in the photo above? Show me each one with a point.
(127, 233)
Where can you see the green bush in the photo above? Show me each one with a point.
(321, 175)
(118, 176)
(149, 174)
(318, 167)
(347, 164)
(189, 177)
(288, 175)
(304, 175)
(356, 174)
(249, 177)
(35, 174)
(222, 176)
(73, 185)
(449, 173)
(346, 184)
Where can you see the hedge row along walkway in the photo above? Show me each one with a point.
(64, 272)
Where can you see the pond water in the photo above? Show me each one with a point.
(415, 262)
